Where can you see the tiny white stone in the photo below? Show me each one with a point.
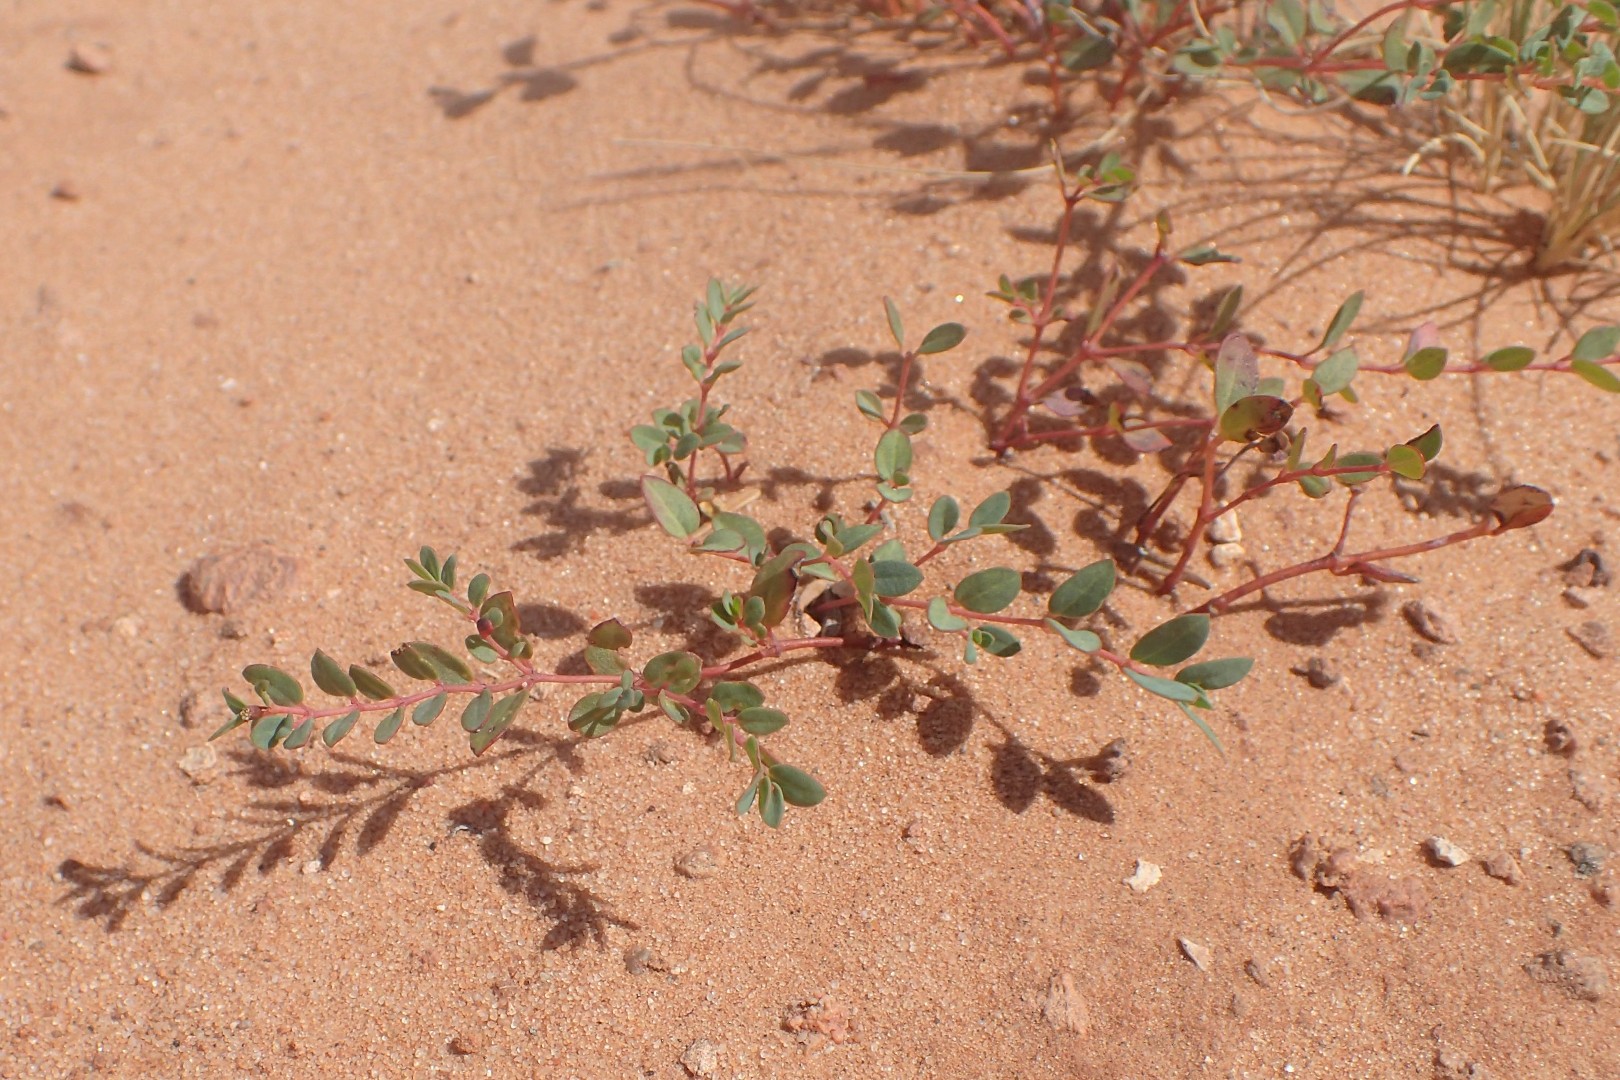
(1146, 876)
(1445, 851)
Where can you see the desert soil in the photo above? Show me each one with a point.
(344, 279)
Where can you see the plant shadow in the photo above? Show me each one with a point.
(348, 809)
(553, 481)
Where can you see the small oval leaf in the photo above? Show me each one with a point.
(1172, 642)
(1085, 592)
(988, 591)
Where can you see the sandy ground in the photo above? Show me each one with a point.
(348, 278)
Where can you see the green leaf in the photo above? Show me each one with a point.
(603, 661)
(1426, 363)
(1428, 444)
(678, 672)
(591, 718)
(1165, 688)
(438, 665)
(884, 620)
(338, 728)
(368, 684)
(1341, 321)
(430, 562)
(1360, 457)
(1226, 311)
(1084, 640)
(1404, 460)
(1085, 592)
(1600, 377)
(774, 584)
(854, 537)
(268, 730)
(1598, 343)
(1512, 358)
(330, 676)
(273, 683)
(1203, 725)
(1315, 486)
(428, 711)
(1216, 674)
(735, 696)
(893, 455)
(770, 804)
(942, 518)
(671, 507)
(753, 536)
(1172, 642)
(761, 721)
(988, 591)
(996, 641)
(1087, 52)
(896, 329)
(1254, 417)
(798, 787)
(869, 404)
(1336, 372)
(481, 650)
(388, 727)
(477, 711)
(500, 718)
(611, 634)
(746, 803)
(300, 734)
(894, 577)
(942, 338)
(940, 617)
(992, 511)
(477, 589)
(1237, 372)
(913, 423)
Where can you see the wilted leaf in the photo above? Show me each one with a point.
(611, 634)
(1520, 506)
(1254, 417)
(1237, 372)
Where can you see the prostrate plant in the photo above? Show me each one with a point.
(1248, 414)
(879, 587)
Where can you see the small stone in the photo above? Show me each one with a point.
(636, 959)
(702, 1058)
(817, 1019)
(698, 864)
(662, 753)
(1590, 789)
(1112, 763)
(1429, 620)
(227, 582)
(1581, 977)
(90, 58)
(1504, 867)
(1201, 956)
(467, 1043)
(1225, 529)
(1147, 875)
(1594, 637)
(1064, 1008)
(231, 630)
(1586, 570)
(1222, 556)
(915, 835)
(1444, 851)
(199, 763)
(313, 866)
(1577, 597)
(127, 627)
(1320, 672)
(1588, 858)
(1560, 738)
(66, 191)
(1256, 969)
(192, 708)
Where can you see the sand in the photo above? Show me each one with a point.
(347, 279)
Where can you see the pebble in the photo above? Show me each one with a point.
(1586, 570)
(1581, 977)
(1064, 1008)
(1504, 867)
(1201, 956)
(1591, 790)
(313, 866)
(1256, 969)
(1113, 762)
(698, 864)
(199, 763)
(467, 1043)
(1147, 875)
(662, 753)
(229, 581)
(193, 709)
(702, 1058)
(1226, 529)
(1445, 851)
(1561, 738)
(1320, 672)
(1429, 620)
(1588, 858)
(1594, 637)
(90, 58)
(1222, 556)
(1577, 597)
(66, 191)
